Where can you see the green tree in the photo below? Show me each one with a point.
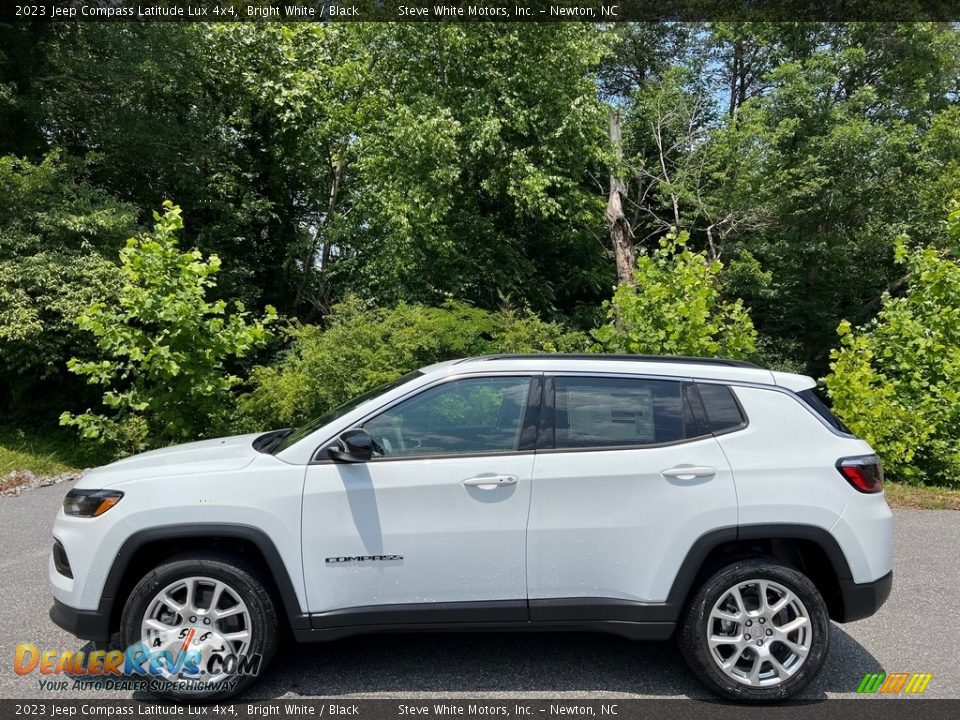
(896, 380)
(361, 346)
(829, 164)
(675, 307)
(164, 347)
(472, 177)
(56, 236)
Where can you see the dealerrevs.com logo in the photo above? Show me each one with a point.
(190, 661)
(894, 683)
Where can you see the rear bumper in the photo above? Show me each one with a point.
(84, 624)
(862, 600)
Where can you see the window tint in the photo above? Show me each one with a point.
(813, 400)
(721, 407)
(475, 415)
(604, 412)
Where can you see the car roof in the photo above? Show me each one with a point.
(722, 369)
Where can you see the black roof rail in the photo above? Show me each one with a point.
(619, 357)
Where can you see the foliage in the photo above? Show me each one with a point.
(55, 235)
(417, 164)
(164, 348)
(675, 307)
(810, 145)
(362, 346)
(896, 380)
(472, 176)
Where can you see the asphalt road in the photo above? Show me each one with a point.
(918, 630)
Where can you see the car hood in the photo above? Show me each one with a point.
(203, 456)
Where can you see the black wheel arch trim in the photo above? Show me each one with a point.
(683, 584)
(97, 624)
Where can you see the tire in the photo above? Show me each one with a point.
(788, 661)
(244, 600)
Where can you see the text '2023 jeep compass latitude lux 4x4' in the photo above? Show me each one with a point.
(648, 497)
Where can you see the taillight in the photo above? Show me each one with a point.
(865, 472)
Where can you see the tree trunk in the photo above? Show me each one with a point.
(320, 232)
(621, 234)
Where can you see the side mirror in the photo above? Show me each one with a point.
(353, 446)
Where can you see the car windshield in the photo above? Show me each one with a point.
(317, 423)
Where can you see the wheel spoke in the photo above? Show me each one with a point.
(158, 625)
(778, 667)
(738, 599)
(762, 588)
(188, 603)
(217, 593)
(754, 674)
(780, 604)
(229, 612)
(721, 614)
(795, 624)
(718, 640)
(798, 650)
(165, 598)
(728, 664)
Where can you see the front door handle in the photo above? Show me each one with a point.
(489, 482)
(689, 472)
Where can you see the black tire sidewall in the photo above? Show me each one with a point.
(693, 630)
(242, 578)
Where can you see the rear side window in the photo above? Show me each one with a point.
(811, 398)
(610, 412)
(723, 412)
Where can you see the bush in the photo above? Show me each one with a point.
(675, 307)
(896, 380)
(361, 347)
(163, 347)
(55, 237)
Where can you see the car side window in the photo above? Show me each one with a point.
(723, 412)
(608, 412)
(469, 416)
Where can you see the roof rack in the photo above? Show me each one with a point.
(618, 357)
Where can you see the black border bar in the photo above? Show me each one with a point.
(478, 11)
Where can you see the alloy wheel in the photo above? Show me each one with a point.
(199, 614)
(759, 633)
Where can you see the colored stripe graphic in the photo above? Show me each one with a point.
(918, 683)
(912, 683)
(894, 682)
(871, 682)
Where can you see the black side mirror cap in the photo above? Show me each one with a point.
(353, 446)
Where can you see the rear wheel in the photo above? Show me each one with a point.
(206, 624)
(756, 631)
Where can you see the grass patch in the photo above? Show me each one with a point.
(921, 497)
(44, 452)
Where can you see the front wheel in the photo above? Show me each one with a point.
(756, 631)
(204, 626)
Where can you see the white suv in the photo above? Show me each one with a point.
(643, 496)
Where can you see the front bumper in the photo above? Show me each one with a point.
(84, 624)
(862, 600)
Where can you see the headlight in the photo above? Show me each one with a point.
(90, 503)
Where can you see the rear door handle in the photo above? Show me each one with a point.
(689, 472)
(489, 482)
